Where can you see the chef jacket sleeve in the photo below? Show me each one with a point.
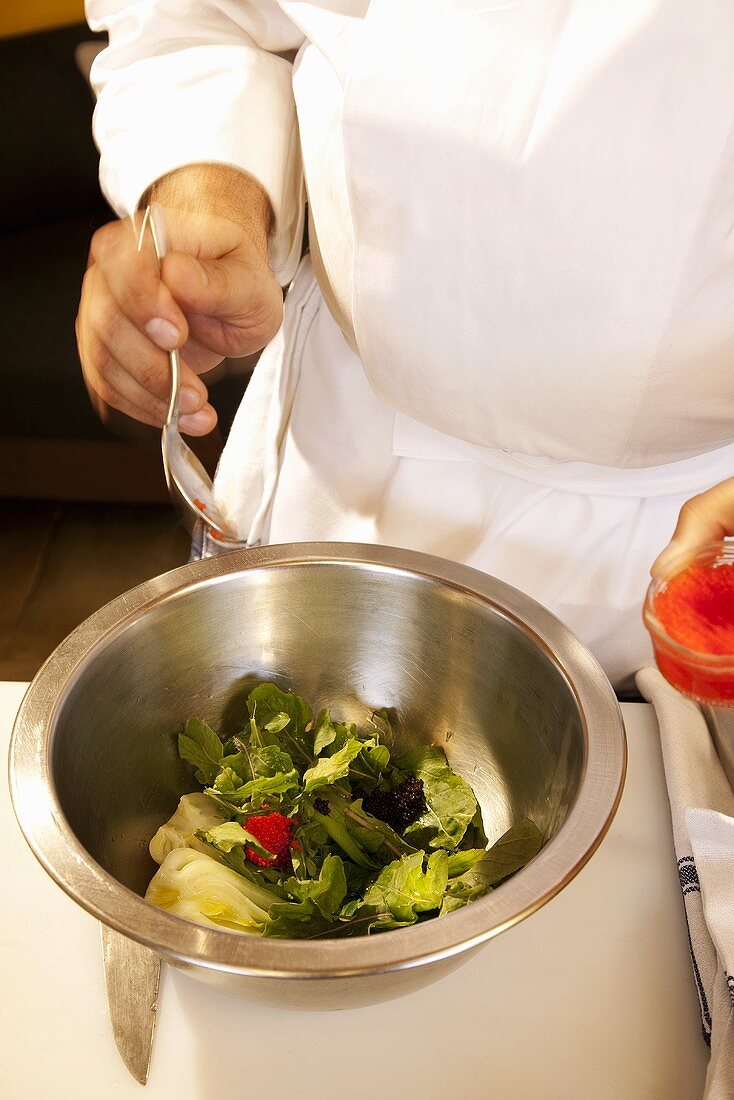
(201, 82)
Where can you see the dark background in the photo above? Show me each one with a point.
(84, 506)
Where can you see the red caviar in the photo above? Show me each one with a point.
(275, 832)
(695, 608)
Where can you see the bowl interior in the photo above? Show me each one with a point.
(452, 667)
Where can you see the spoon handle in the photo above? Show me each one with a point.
(153, 219)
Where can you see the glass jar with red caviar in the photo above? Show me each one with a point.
(689, 611)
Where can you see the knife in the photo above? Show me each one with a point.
(720, 721)
(132, 976)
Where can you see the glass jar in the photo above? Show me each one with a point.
(705, 677)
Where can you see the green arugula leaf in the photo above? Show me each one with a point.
(297, 920)
(268, 705)
(238, 762)
(199, 745)
(404, 888)
(233, 835)
(367, 769)
(509, 854)
(278, 723)
(308, 854)
(450, 904)
(224, 837)
(451, 801)
(324, 732)
(274, 775)
(380, 719)
(371, 833)
(237, 860)
(463, 861)
(329, 769)
(327, 892)
(334, 824)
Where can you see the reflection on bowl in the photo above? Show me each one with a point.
(523, 711)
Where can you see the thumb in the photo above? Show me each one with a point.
(705, 518)
(214, 288)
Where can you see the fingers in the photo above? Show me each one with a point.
(223, 301)
(123, 369)
(232, 306)
(707, 517)
(201, 359)
(135, 284)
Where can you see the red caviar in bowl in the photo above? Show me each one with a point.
(275, 832)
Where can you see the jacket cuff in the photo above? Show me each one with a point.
(207, 104)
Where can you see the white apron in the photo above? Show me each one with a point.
(529, 311)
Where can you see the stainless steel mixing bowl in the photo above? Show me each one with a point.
(521, 708)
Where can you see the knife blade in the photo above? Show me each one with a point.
(720, 721)
(132, 977)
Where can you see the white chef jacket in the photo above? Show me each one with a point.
(517, 348)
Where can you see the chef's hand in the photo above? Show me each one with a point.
(707, 517)
(216, 296)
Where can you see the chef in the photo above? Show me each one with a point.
(512, 340)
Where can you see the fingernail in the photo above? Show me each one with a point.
(199, 422)
(162, 333)
(189, 400)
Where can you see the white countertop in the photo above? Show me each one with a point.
(592, 998)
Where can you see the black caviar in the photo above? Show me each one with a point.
(399, 807)
(321, 806)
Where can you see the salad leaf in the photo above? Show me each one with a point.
(200, 746)
(509, 854)
(380, 719)
(329, 769)
(269, 705)
(451, 801)
(405, 888)
(347, 872)
(324, 732)
(463, 861)
(239, 762)
(367, 769)
(371, 833)
(327, 892)
(226, 836)
(194, 812)
(232, 835)
(335, 825)
(278, 723)
(273, 774)
(194, 886)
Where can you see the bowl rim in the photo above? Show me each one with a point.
(62, 855)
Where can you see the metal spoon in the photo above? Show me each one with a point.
(189, 485)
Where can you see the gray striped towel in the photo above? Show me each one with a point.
(702, 813)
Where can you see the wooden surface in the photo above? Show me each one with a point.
(60, 562)
(20, 16)
(91, 470)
